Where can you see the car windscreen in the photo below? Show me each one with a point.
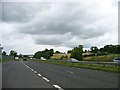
(117, 59)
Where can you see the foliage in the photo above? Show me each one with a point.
(13, 53)
(4, 53)
(57, 52)
(46, 54)
(69, 51)
(77, 52)
(20, 55)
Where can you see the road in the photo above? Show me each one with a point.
(29, 74)
(17, 75)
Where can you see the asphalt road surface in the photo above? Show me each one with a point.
(17, 75)
(29, 74)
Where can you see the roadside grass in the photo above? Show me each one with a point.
(103, 58)
(109, 68)
(6, 60)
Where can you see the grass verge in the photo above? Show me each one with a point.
(5, 60)
(109, 68)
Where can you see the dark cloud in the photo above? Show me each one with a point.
(19, 11)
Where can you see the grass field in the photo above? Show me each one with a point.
(103, 58)
(6, 60)
(59, 56)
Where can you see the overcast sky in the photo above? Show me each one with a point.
(28, 27)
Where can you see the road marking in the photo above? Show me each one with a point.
(58, 87)
(69, 72)
(32, 69)
(39, 75)
(35, 71)
(46, 79)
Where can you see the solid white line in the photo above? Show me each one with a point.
(58, 87)
(46, 79)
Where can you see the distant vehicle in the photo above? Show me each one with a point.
(73, 60)
(116, 60)
(42, 58)
(24, 59)
(16, 58)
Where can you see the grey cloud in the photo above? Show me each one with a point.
(58, 24)
(56, 40)
(72, 18)
(19, 11)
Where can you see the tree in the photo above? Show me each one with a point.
(94, 49)
(38, 55)
(69, 51)
(13, 53)
(4, 53)
(57, 52)
(77, 52)
(20, 55)
(46, 54)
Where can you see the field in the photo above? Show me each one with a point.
(60, 56)
(103, 58)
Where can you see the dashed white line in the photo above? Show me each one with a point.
(35, 71)
(39, 75)
(69, 71)
(32, 70)
(46, 79)
(58, 87)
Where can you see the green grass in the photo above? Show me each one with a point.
(103, 58)
(6, 60)
(115, 69)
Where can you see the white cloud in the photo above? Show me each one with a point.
(59, 25)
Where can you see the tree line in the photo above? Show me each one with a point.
(76, 52)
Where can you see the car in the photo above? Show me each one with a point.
(24, 59)
(73, 60)
(116, 60)
(16, 58)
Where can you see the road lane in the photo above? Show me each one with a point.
(17, 75)
(68, 77)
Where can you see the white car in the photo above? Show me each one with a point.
(116, 60)
(73, 60)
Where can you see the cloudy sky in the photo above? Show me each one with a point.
(27, 27)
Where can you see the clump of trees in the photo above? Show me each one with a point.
(77, 52)
(4, 53)
(46, 54)
(13, 53)
(107, 49)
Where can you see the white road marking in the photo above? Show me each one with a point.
(69, 71)
(46, 79)
(39, 75)
(35, 71)
(58, 87)
(32, 70)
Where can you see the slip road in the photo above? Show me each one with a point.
(29, 74)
